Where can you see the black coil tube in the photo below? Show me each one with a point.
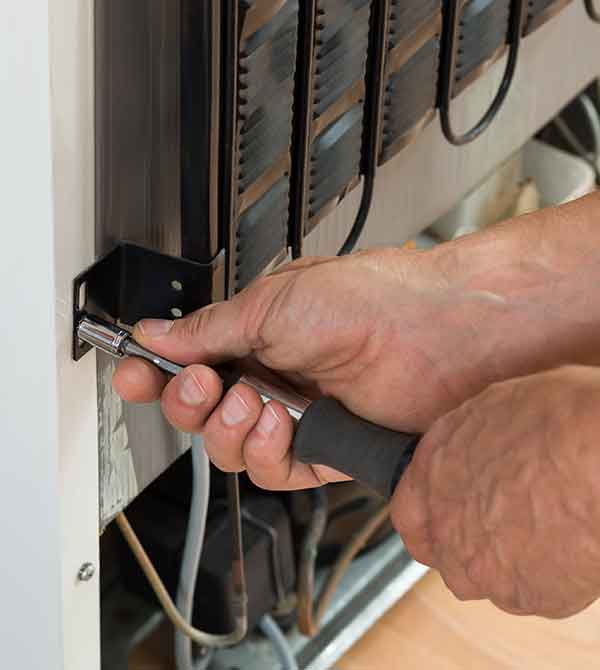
(302, 122)
(452, 26)
(374, 97)
(229, 76)
(593, 13)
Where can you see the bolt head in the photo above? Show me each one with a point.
(86, 572)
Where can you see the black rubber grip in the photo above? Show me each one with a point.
(328, 434)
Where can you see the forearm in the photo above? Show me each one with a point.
(557, 239)
(538, 279)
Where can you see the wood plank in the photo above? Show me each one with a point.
(429, 628)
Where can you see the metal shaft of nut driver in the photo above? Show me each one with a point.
(326, 433)
(118, 342)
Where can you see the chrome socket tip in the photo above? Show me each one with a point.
(102, 335)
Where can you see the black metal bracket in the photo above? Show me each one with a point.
(131, 283)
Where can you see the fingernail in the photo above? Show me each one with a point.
(268, 421)
(235, 410)
(155, 327)
(191, 391)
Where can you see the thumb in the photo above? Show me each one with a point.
(221, 331)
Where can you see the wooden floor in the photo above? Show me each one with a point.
(430, 630)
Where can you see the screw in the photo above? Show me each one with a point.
(86, 572)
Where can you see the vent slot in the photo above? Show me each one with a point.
(540, 11)
(332, 73)
(412, 70)
(335, 159)
(410, 98)
(258, 244)
(482, 38)
(342, 39)
(266, 68)
(406, 17)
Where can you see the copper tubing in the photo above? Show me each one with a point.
(199, 637)
(309, 616)
(308, 559)
(349, 553)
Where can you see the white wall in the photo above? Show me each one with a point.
(48, 467)
(29, 496)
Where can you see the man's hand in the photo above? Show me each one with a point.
(398, 337)
(357, 328)
(503, 495)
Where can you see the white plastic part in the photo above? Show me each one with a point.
(560, 177)
(552, 176)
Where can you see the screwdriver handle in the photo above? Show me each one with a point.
(328, 434)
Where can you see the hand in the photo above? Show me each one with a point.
(399, 337)
(503, 495)
(360, 328)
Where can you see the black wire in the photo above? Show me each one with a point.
(449, 67)
(374, 95)
(593, 13)
(229, 111)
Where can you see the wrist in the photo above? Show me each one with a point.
(557, 238)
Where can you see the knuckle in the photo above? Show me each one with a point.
(404, 527)
(420, 552)
(439, 530)
(460, 585)
(266, 483)
(197, 324)
(230, 463)
(525, 598)
(475, 570)
(228, 468)
(171, 408)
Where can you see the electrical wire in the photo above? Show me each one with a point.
(199, 637)
(449, 60)
(310, 616)
(349, 553)
(192, 550)
(271, 630)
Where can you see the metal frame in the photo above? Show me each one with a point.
(131, 283)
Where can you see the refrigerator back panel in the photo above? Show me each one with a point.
(540, 11)
(330, 139)
(266, 64)
(414, 32)
(482, 39)
(156, 122)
